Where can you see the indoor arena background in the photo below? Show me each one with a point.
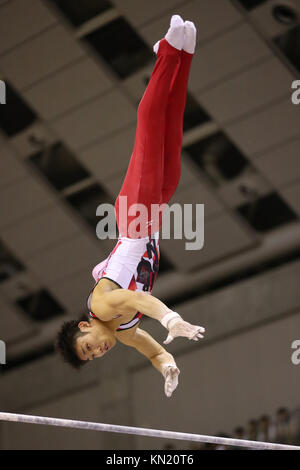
(75, 72)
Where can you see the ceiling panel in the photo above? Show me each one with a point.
(41, 56)
(292, 196)
(142, 11)
(268, 128)
(123, 56)
(136, 83)
(71, 87)
(110, 156)
(20, 20)
(228, 54)
(32, 139)
(224, 236)
(21, 200)
(79, 13)
(189, 177)
(65, 259)
(281, 165)
(23, 283)
(247, 91)
(74, 291)
(12, 325)
(114, 183)
(211, 17)
(10, 168)
(265, 20)
(95, 120)
(242, 189)
(198, 194)
(34, 234)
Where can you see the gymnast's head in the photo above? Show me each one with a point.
(84, 340)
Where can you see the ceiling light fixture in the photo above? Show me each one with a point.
(285, 14)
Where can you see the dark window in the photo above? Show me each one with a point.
(194, 115)
(250, 4)
(217, 157)
(40, 306)
(267, 213)
(87, 201)
(80, 11)
(16, 115)
(121, 47)
(59, 166)
(289, 44)
(9, 265)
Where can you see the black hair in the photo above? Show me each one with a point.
(66, 339)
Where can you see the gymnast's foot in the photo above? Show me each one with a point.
(175, 35)
(190, 37)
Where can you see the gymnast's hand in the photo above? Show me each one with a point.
(179, 327)
(171, 379)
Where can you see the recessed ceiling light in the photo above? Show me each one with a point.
(285, 14)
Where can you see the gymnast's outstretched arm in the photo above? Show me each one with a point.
(125, 302)
(163, 361)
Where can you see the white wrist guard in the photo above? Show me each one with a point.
(168, 317)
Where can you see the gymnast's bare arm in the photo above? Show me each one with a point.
(159, 357)
(127, 302)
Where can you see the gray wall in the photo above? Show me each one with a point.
(225, 384)
(241, 370)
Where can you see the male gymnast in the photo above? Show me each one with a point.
(124, 281)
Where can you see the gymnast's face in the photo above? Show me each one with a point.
(96, 341)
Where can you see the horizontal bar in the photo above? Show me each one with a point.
(90, 426)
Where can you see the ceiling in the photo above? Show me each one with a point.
(74, 77)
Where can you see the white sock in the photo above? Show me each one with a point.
(175, 35)
(190, 37)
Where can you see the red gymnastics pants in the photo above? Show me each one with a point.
(154, 170)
